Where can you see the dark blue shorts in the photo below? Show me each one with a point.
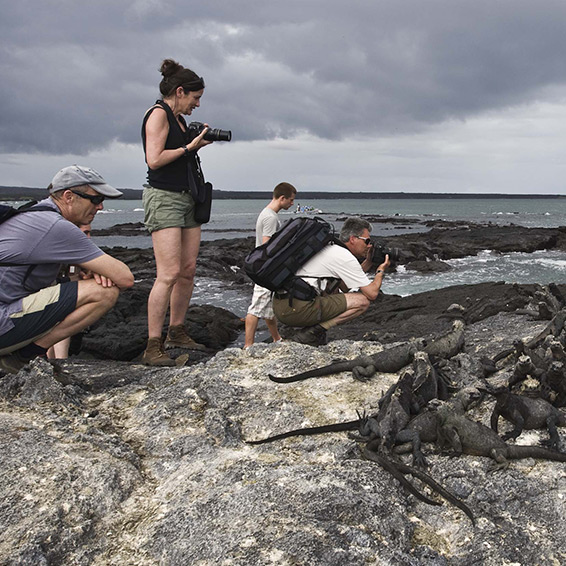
(40, 313)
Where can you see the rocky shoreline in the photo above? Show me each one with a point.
(107, 462)
(121, 335)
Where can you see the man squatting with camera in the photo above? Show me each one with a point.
(335, 268)
(35, 313)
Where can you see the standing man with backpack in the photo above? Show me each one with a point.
(267, 224)
(334, 268)
(35, 313)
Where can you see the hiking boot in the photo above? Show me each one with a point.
(177, 337)
(155, 355)
(311, 335)
(12, 363)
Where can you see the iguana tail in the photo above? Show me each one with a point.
(398, 471)
(390, 467)
(337, 367)
(336, 427)
(517, 452)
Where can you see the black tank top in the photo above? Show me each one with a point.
(175, 175)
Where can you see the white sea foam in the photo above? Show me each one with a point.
(554, 263)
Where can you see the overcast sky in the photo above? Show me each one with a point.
(337, 95)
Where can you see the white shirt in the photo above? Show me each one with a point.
(334, 262)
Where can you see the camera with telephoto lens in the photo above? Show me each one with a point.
(213, 134)
(379, 253)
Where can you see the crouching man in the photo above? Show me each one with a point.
(333, 269)
(36, 313)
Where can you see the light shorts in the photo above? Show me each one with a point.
(309, 313)
(167, 209)
(261, 303)
(40, 313)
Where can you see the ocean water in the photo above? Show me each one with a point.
(236, 218)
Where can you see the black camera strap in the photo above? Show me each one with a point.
(197, 184)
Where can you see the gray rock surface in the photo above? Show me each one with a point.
(112, 463)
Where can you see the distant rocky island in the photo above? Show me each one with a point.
(25, 193)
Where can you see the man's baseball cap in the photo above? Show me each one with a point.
(77, 175)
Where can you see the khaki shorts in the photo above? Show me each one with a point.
(167, 209)
(309, 313)
(40, 313)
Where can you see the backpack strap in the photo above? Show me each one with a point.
(28, 207)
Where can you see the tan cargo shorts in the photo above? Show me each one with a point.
(309, 313)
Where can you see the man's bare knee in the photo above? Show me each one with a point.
(364, 305)
(91, 292)
(357, 301)
(111, 295)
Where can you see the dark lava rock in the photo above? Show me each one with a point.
(393, 318)
(470, 240)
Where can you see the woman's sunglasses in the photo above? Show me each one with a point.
(95, 199)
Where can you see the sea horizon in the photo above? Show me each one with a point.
(22, 193)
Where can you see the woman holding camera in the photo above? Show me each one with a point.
(170, 209)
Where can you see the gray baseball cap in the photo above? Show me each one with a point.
(77, 175)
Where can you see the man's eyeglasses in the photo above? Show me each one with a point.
(95, 199)
(367, 241)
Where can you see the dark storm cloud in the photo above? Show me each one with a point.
(76, 76)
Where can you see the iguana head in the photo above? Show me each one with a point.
(467, 397)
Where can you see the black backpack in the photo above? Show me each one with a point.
(7, 212)
(273, 265)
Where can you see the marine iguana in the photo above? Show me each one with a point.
(423, 427)
(525, 413)
(554, 328)
(554, 351)
(466, 436)
(553, 383)
(421, 384)
(393, 415)
(390, 360)
(416, 387)
(523, 369)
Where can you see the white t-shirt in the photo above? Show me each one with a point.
(334, 262)
(267, 224)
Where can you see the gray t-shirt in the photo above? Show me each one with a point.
(267, 224)
(44, 239)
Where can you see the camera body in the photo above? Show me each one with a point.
(213, 134)
(379, 253)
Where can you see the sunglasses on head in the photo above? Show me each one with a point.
(367, 241)
(95, 199)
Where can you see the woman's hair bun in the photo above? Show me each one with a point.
(170, 67)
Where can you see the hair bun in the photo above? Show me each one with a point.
(170, 67)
